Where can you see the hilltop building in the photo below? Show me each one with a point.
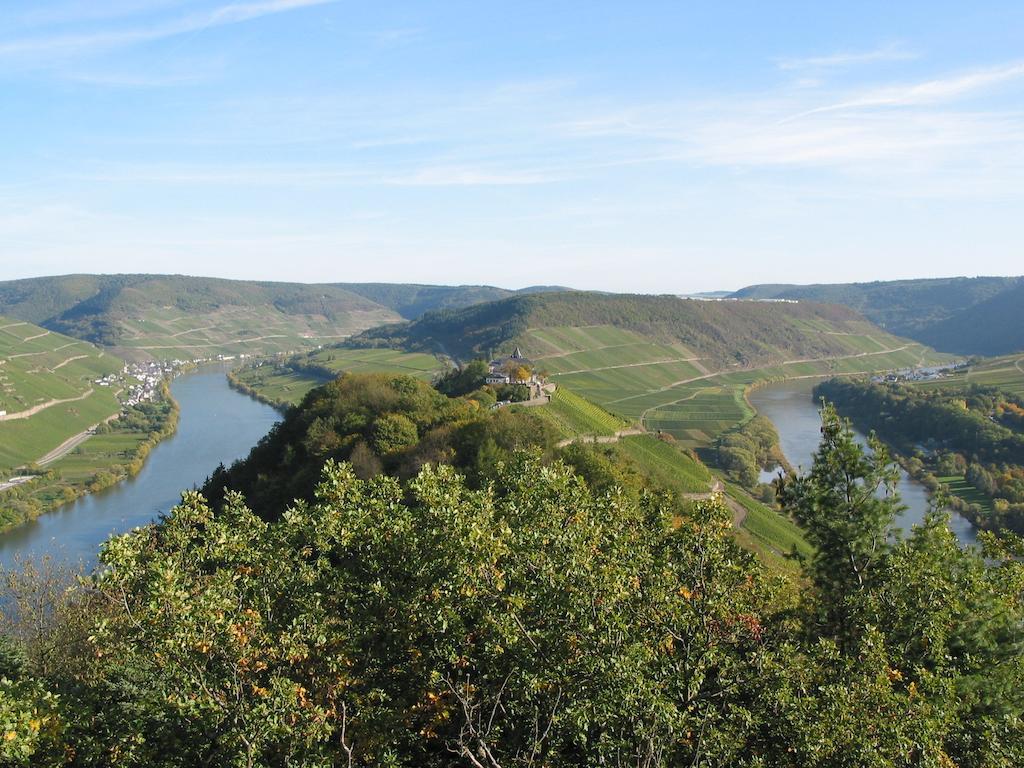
(505, 370)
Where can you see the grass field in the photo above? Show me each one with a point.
(54, 376)
(287, 382)
(166, 333)
(666, 387)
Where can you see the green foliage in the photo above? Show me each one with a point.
(846, 504)
(463, 380)
(970, 433)
(381, 422)
(523, 632)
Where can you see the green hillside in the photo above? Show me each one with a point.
(286, 382)
(1006, 372)
(47, 390)
(674, 365)
(173, 316)
(965, 315)
(726, 333)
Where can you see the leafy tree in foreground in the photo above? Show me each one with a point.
(912, 648)
(530, 623)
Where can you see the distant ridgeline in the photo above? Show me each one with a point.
(963, 315)
(175, 316)
(722, 333)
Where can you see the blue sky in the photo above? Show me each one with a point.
(641, 146)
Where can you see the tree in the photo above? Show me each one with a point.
(846, 504)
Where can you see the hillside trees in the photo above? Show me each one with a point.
(534, 622)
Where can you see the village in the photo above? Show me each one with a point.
(142, 382)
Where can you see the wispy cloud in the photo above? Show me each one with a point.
(79, 44)
(848, 58)
(927, 92)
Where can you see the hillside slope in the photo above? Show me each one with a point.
(992, 327)
(930, 311)
(674, 365)
(47, 390)
(411, 300)
(175, 316)
(724, 333)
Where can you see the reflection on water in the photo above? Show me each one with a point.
(217, 425)
(791, 408)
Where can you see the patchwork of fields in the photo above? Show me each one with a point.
(47, 390)
(287, 382)
(666, 387)
(166, 333)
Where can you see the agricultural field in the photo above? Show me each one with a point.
(1003, 372)
(286, 382)
(48, 390)
(574, 415)
(667, 388)
(668, 464)
(167, 333)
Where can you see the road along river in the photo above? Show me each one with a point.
(791, 408)
(217, 424)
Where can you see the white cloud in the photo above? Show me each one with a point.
(927, 92)
(80, 44)
(847, 58)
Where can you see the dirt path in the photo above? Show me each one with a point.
(43, 406)
(604, 439)
(37, 336)
(14, 481)
(69, 360)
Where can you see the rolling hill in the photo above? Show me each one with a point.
(176, 316)
(173, 316)
(992, 327)
(676, 365)
(964, 315)
(47, 390)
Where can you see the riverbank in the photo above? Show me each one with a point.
(240, 386)
(215, 425)
(791, 408)
(108, 453)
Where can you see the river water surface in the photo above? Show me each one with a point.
(217, 424)
(791, 408)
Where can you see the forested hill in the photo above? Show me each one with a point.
(992, 327)
(964, 315)
(723, 333)
(411, 300)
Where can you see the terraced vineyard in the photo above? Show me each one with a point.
(668, 464)
(287, 382)
(666, 387)
(574, 415)
(47, 390)
(167, 333)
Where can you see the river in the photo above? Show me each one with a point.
(791, 408)
(217, 424)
